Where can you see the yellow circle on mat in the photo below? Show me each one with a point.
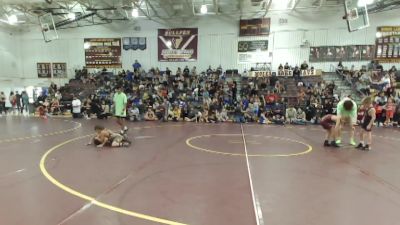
(93, 200)
(308, 149)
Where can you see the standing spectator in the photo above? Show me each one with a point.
(18, 101)
(120, 103)
(393, 69)
(304, 66)
(25, 102)
(2, 103)
(76, 107)
(136, 66)
(13, 101)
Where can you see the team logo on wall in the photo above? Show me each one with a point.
(177, 45)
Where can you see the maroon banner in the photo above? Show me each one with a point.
(177, 45)
(255, 27)
(103, 52)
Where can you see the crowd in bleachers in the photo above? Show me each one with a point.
(210, 96)
(382, 85)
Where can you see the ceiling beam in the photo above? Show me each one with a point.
(296, 4)
(267, 7)
(216, 7)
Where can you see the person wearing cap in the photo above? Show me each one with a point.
(347, 111)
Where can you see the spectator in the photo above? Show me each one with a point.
(136, 66)
(2, 103)
(76, 107)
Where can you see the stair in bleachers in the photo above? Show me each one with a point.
(343, 87)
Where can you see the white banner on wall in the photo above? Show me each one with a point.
(254, 57)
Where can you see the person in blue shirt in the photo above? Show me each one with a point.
(136, 66)
(129, 76)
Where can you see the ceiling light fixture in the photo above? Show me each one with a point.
(86, 45)
(203, 9)
(135, 13)
(13, 19)
(362, 3)
(71, 16)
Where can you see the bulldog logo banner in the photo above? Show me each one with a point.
(177, 45)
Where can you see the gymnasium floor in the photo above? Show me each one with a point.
(198, 174)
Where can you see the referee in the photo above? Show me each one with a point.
(120, 103)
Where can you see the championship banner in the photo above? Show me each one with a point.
(177, 45)
(103, 52)
(255, 27)
(134, 43)
(341, 53)
(44, 70)
(388, 44)
(59, 70)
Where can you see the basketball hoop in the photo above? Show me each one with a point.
(48, 27)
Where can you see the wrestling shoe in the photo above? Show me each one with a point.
(359, 146)
(335, 144)
(326, 143)
(338, 141)
(366, 148)
(352, 142)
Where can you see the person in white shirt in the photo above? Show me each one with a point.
(76, 107)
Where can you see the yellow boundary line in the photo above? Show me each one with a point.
(43, 135)
(92, 200)
(189, 140)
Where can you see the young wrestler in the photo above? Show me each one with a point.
(328, 122)
(366, 124)
(105, 137)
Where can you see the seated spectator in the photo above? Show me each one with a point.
(55, 107)
(286, 67)
(300, 117)
(42, 110)
(151, 116)
(278, 119)
(134, 113)
(291, 115)
(239, 114)
(281, 72)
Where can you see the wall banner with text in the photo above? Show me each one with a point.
(388, 44)
(103, 52)
(177, 45)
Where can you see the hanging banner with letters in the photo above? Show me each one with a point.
(388, 44)
(103, 52)
(177, 45)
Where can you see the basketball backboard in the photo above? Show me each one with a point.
(48, 27)
(356, 15)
